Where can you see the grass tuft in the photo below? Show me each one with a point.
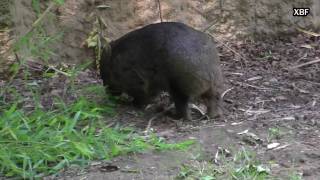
(242, 166)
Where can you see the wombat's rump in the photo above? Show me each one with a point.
(169, 57)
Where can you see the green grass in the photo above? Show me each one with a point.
(41, 142)
(275, 133)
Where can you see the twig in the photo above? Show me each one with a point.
(302, 57)
(235, 52)
(5, 30)
(57, 70)
(158, 115)
(17, 58)
(160, 11)
(209, 27)
(308, 32)
(225, 92)
(304, 64)
(256, 87)
(102, 22)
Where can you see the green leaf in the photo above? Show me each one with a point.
(207, 178)
(92, 41)
(83, 148)
(59, 2)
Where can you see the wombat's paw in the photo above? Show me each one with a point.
(218, 114)
(172, 114)
(186, 116)
(138, 103)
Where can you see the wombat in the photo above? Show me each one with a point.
(167, 56)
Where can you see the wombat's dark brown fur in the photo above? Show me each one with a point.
(169, 57)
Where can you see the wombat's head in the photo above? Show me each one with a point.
(107, 70)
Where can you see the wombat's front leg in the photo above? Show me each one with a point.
(181, 104)
(140, 99)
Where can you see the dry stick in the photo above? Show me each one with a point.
(5, 30)
(304, 64)
(210, 26)
(308, 32)
(99, 39)
(17, 58)
(256, 87)
(58, 71)
(225, 92)
(102, 22)
(160, 13)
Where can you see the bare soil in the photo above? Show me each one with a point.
(267, 93)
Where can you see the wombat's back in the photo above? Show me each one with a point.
(186, 56)
(172, 43)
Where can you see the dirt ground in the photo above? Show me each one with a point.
(270, 87)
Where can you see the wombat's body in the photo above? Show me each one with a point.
(165, 57)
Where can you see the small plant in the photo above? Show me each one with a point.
(295, 176)
(242, 166)
(266, 55)
(274, 133)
